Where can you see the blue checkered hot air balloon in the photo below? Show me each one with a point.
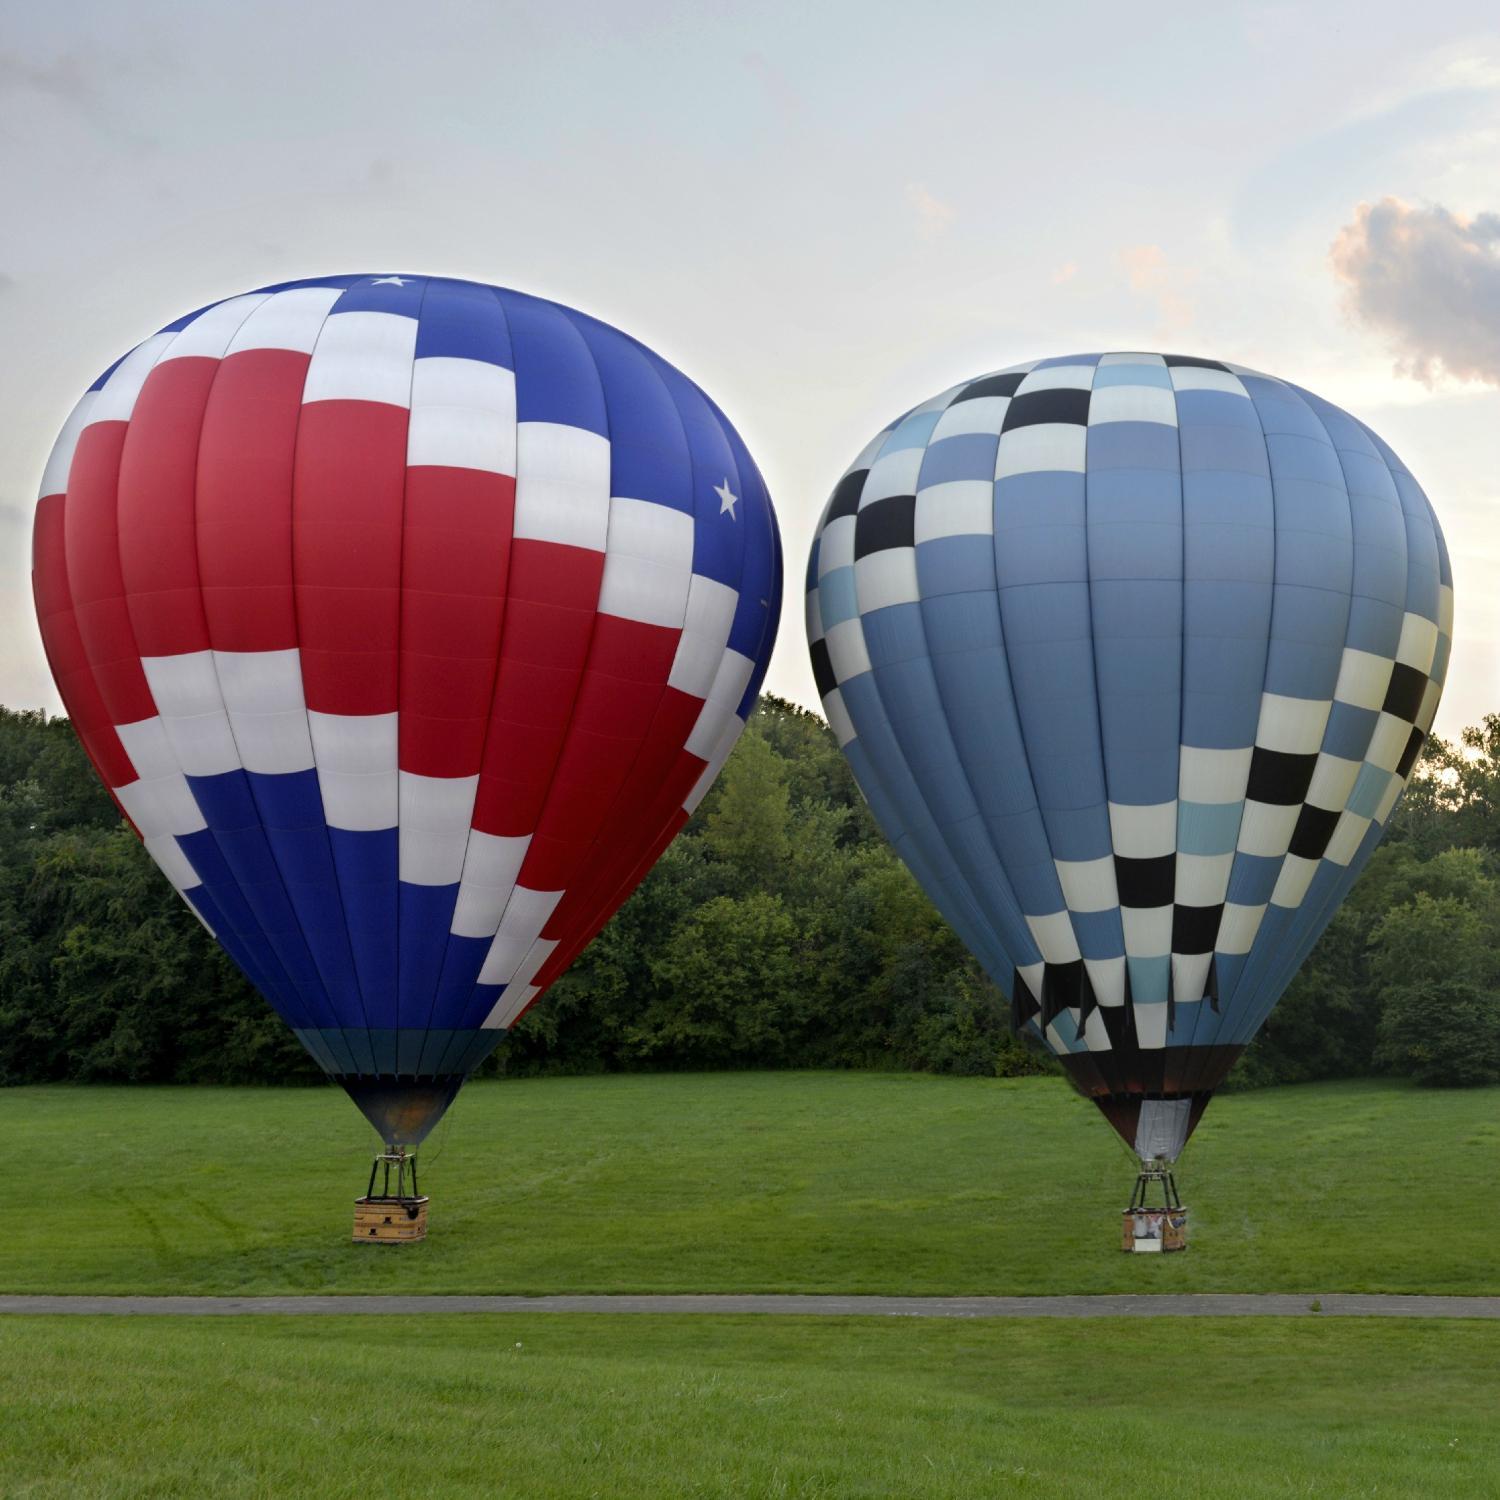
(1132, 655)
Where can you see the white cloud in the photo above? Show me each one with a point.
(933, 215)
(1151, 276)
(1429, 281)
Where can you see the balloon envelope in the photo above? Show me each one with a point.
(405, 619)
(1132, 655)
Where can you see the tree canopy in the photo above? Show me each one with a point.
(778, 930)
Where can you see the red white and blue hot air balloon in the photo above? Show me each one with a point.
(406, 619)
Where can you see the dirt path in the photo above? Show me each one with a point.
(1236, 1305)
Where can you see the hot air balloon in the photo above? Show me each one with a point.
(1132, 655)
(405, 619)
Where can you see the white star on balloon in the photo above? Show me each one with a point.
(389, 281)
(727, 499)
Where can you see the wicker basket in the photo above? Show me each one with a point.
(389, 1221)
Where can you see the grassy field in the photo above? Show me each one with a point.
(839, 1182)
(550, 1406)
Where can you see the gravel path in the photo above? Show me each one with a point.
(1264, 1305)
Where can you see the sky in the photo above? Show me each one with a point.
(823, 213)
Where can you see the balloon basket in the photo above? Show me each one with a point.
(1148, 1230)
(386, 1217)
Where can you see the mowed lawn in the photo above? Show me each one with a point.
(813, 1182)
(555, 1406)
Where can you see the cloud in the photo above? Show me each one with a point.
(1150, 276)
(1429, 280)
(1064, 273)
(773, 81)
(933, 215)
(87, 81)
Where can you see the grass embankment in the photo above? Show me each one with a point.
(815, 1182)
(551, 1406)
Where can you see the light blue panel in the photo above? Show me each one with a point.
(1150, 979)
(1307, 642)
(1021, 841)
(1199, 1023)
(915, 713)
(1281, 410)
(1023, 500)
(1445, 565)
(1039, 542)
(1369, 787)
(1046, 614)
(1131, 445)
(1374, 625)
(968, 456)
(1053, 682)
(837, 598)
(1239, 1001)
(957, 565)
(1379, 548)
(1422, 572)
(1252, 879)
(1438, 672)
(1374, 546)
(1310, 511)
(941, 877)
(1348, 436)
(1228, 540)
(965, 622)
(1066, 359)
(1277, 933)
(1063, 1027)
(1326, 893)
(1222, 410)
(1230, 498)
(1312, 559)
(894, 634)
(1227, 608)
(973, 682)
(1099, 933)
(1209, 449)
(919, 719)
(1157, 375)
(1138, 657)
(1303, 464)
(1134, 548)
(1311, 615)
(911, 432)
(1132, 620)
(1208, 827)
(1229, 966)
(1349, 730)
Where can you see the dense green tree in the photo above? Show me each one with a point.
(747, 827)
(1435, 961)
(778, 929)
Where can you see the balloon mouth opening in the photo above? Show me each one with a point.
(402, 1110)
(1155, 1127)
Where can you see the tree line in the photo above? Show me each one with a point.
(778, 930)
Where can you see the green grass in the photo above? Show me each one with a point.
(746, 1182)
(540, 1406)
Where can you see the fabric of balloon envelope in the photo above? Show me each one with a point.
(406, 620)
(1132, 655)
